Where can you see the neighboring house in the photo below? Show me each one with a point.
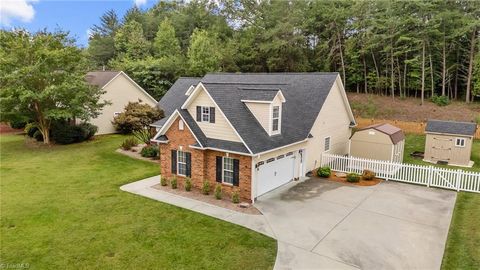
(119, 90)
(380, 142)
(252, 132)
(449, 142)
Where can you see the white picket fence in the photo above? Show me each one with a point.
(429, 176)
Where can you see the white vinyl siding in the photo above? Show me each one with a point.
(261, 111)
(333, 121)
(119, 92)
(220, 129)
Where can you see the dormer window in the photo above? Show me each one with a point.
(206, 114)
(275, 118)
(276, 124)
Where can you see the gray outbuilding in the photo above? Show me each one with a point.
(449, 142)
(380, 142)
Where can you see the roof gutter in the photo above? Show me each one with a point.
(220, 150)
(274, 149)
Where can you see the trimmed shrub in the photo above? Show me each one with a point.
(206, 187)
(129, 143)
(368, 175)
(149, 151)
(440, 100)
(324, 172)
(89, 130)
(173, 182)
(17, 124)
(38, 136)
(353, 177)
(235, 196)
(218, 192)
(64, 133)
(163, 181)
(188, 184)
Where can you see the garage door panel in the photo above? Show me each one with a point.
(275, 174)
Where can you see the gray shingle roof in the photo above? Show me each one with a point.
(451, 127)
(258, 94)
(100, 78)
(175, 97)
(209, 142)
(305, 94)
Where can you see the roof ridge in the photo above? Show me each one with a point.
(273, 73)
(244, 83)
(450, 121)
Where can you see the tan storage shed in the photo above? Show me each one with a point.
(380, 142)
(449, 142)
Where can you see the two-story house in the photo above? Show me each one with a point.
(252, 132)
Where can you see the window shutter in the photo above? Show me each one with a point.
(236, 172)
(212, 114)
(174, 161)
(199, 113)
(219, 169)
(189, 164)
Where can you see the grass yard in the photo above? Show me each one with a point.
(463, 245)
(61, 208)
(415, 142)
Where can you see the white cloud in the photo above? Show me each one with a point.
(16, 10)
(139, 2)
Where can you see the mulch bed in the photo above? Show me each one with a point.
(6, 129)
(135, 153)
(196, 194)
(362, 182)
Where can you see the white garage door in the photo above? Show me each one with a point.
(274, 174)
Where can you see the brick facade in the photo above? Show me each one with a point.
(203, 162)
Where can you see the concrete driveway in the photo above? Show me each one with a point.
(326, 225)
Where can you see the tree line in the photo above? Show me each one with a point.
(395, 48)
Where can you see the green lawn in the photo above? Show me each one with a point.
(415, 142)
(463, 244)
(61, 208)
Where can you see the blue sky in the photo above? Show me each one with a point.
(76, 16)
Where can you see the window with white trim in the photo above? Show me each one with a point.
(327, 144)
(205, 114)
(227, 170)
(275, 118)
(181, 163)
(460, 142)
(180, 124)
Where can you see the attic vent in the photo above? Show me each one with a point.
(190, 90)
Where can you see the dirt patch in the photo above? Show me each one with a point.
(409, 109)
(196, 194)
(362, 182)
(135, 153)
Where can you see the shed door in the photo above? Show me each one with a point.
(442, 148)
